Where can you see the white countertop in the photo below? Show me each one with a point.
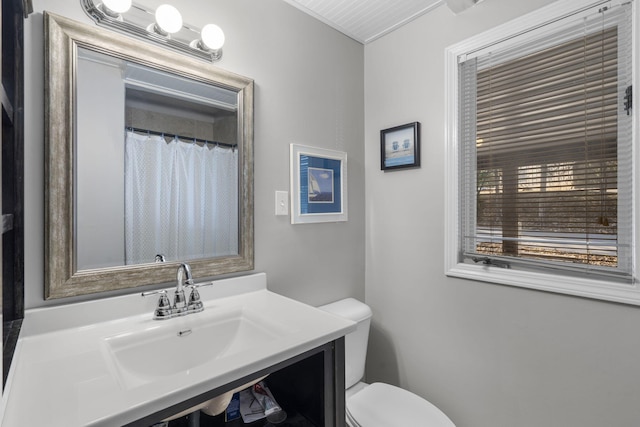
(61, 374)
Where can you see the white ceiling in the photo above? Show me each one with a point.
(365, 20)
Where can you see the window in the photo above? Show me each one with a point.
(540, 137)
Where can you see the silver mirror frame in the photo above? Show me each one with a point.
(62, 39)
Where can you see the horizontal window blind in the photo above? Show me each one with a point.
(546, 170)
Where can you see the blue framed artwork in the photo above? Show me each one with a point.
(400, 147)
(318, 185)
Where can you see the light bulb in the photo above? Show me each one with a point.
(168, 19)
(117, 6)
(212, 36)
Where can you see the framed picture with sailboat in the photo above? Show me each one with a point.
(318, 185)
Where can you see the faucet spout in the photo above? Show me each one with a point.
(184, 276)
(184, 279)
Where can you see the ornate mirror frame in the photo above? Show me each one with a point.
(63, 37)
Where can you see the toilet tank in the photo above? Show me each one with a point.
(356, 341)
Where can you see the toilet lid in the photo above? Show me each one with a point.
(383, 405)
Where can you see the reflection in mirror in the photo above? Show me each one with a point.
(162, 151)
(149, 153)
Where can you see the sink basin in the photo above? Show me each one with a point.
(105, 362)
(179, 345)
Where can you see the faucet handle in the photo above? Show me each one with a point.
(195, 303)
(163, 308)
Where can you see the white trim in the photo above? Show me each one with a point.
(526, 23)
(452, 191)
(403, 22)
(590, 288)
(360, 36)
(554, 20)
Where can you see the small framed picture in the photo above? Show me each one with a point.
(318, 185)
(400, 147)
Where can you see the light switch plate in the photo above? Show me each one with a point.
(282, 203)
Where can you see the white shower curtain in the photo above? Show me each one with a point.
(181, 199)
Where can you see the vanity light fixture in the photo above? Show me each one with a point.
(115, 8)
(168, 20)
(163, 26)
(211, 40)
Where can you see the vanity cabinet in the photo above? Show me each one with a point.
(105, 363)
(309, 387)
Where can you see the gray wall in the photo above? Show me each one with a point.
(487, 355)
(309, 90)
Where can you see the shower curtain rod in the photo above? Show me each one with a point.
(187, 138)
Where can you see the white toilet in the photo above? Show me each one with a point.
(377, 404)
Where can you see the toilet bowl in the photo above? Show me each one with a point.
(377, 404)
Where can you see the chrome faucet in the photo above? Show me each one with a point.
(180, 306)
(184, 279)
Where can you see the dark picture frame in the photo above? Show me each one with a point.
(400, 147)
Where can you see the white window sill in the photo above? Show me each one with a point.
(583, 287)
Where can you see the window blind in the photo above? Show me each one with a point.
(546, 166)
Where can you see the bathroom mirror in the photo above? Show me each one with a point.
(148, 152)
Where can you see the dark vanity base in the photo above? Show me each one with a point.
(293, 420)
(298, 388)
(10, 335)
(309, 387)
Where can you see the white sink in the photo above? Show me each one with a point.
(106, 362)
(177, 346)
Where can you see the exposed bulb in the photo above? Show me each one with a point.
(212, 37)
(115, 7)
(168, 19)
